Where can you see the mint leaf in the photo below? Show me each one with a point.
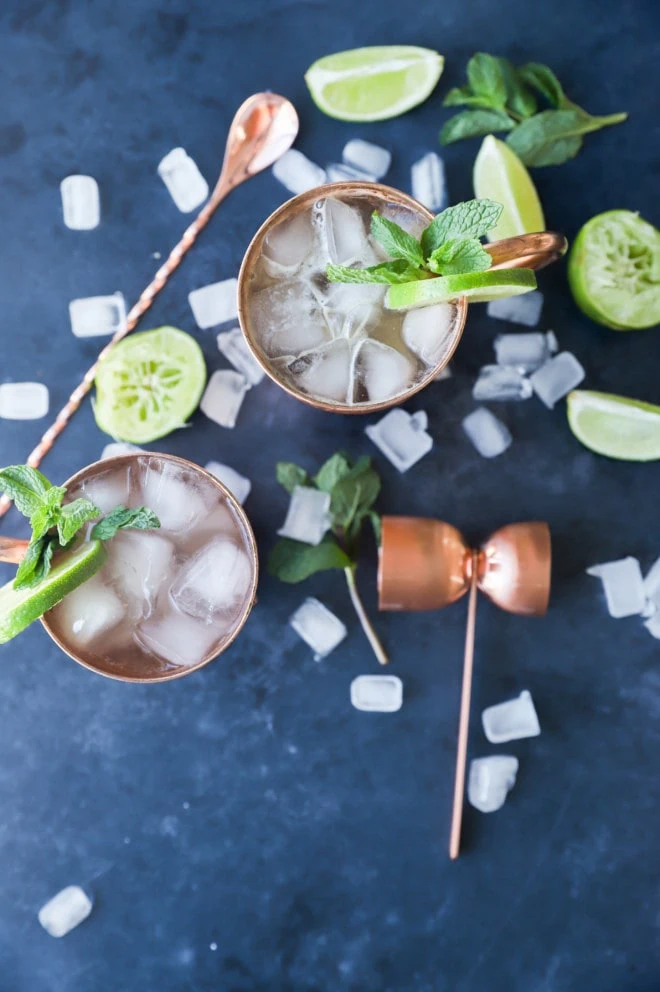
(292, 561)
(353, 496)
(73, 516)
(25, 486)
(485, 78)
(473, 124)
(289, 476)
(122, 518)
(377, 525)
(331, 472)
(519, 98)
(462, 96)
(552, 137)
(386, 272)
(471, 219)
(458, 256)
(396, 242)
(544, 81)
(36, 563)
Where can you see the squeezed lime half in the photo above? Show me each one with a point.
(500, 175)
(149, 385)
(614, 271)
(615, 426)
(478, 287)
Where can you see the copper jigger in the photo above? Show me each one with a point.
(426, 564)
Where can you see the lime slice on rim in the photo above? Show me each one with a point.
(21, 607)
(478, 287)
(614, 271)
(149, 385)
(615, 426)
(372, 84)
(500, 175)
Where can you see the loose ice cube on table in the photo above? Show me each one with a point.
(401, 437)
(377, 693)
(512, 720)
(623, 586)
(488, 434)
(366, 157)
(490, 781)
(653, 625)
(90, 610)
(223, 397)
(556, 377)
(214, 304)
(383, 371)
(318, 627)
(326, 373)
(23, 400)
(523, 309)
(116, 448)
(428, 182)
(501, 382)
(287, 246)
(139, 564)
(81, 204)
(527, 351)
(217, 579)
(340, 172)
(297, 173)
(233, 480)
(652, 590)
(177, 639)
(185, 183)
(171, 494)
(234, 347)
(94, 316)
(65, 911)
(308, 515)
(429, 331)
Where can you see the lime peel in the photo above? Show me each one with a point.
(500, 175)
(477, 287)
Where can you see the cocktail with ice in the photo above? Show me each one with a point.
(166, 601)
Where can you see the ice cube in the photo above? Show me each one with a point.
(234, 347)
(297, 173)
(557, 377)
(223, 397)
(652, 588)
(178, 639)
(318, 627)
(377, 693)
(81, 204)
(171, 494)
(523, 309)
(444, 373)
(116, 448)
(214, 304)
(342, 232)
(488, 434)
(383, 371)
(429, 331)
(653, 625)
(308, 515)
(287, 246)
(233, 480)
(512, 720)
(139, 564)
(490, 781)
(501, 382)
(527, 351)
(351, 308)
(411, 221)
(65, 911)
(185, 183)
(216, 580)
(23, 400)
(623, 586)
(428, 182)
(95, 316)
(90, 610)
(288, 319)
(327, 373)
(340, 172)
(401, 437)
(367, 157)
(108, 490)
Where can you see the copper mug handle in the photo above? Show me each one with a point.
(528, 251)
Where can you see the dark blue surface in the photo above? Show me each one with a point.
(249, 807)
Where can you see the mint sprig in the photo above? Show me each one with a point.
(54, 523)
(353, 489)
(450, 245)
(503, 97)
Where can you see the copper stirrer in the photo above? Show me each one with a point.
(264, 127)
(426, 564)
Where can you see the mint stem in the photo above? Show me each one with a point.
(372, 637)
(608, 120)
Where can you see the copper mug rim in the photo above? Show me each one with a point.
(525, 251)
(166, 676)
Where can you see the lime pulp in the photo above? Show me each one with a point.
(615, 426)
(500, 175)
(477, 287)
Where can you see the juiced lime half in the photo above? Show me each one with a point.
(149, 385)
(477, 287)
(500, 175)
(615, 426)
(614, 271)
(371, 84)
(21, 607)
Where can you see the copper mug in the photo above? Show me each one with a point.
(533, 251)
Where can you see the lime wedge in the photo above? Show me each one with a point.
(149, 385)
(500, 175)
(371, 84)
(478, 287)
(615, 426)
(21, 607)
(614, 270)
